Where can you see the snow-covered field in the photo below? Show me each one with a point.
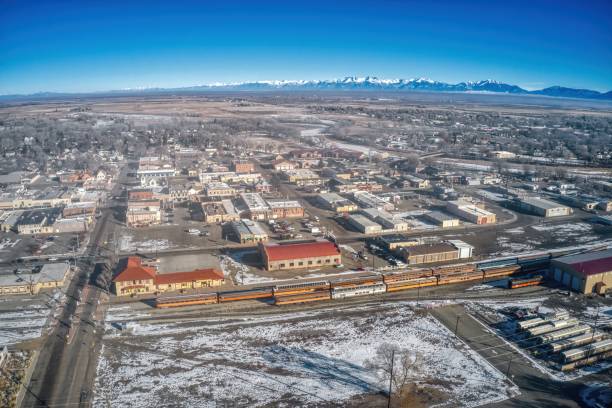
(292, 359)
(25, 318)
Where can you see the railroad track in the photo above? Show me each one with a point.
(257, 308)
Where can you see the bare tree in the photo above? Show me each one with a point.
(396, 366)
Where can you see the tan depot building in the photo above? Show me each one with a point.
(584, 273)
(137, 278)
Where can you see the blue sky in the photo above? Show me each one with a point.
(89, 45)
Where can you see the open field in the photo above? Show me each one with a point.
(314, 358)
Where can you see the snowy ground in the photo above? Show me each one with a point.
(127, 244)
(295, 359)
(25, 318)
(524, 239)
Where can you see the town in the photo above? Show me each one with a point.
(137, 226)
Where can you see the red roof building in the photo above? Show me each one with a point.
(588, 272)
(137, 278)
(300, 255)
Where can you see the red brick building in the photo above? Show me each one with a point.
(243, 166)
(299, 255)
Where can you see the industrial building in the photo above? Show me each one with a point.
(386, 220)
(136, 278)
(335, 202)
(247, 231)
(429, 253)
(298, 255)
(470, 212)
(363, 224)
(542, 207)
(441, 219)
(584, 273)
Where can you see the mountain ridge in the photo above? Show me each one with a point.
(352, 83)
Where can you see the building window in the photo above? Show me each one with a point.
(300, 263)
(282, 265)
(309, 262)
(318, 261)
(327, 260)
(291, 264)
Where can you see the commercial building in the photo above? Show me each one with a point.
(369, 200)
(584, 273)
(255, 207)
(363, 224)
(219, 212)
(286, 209)
(470, 212)
(283, 165)
(50, 276)
(136, 278)
(396, 241)
(542, 207)
(429, 253)
(302, 177)
(441, 219)
(336, 203)
(299, 255)
(37, 221)
(216, 190)
(247, 231)
(143, 213)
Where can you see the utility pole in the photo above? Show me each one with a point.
(418, 294)
(508, 370)
(457, 325)
(391, 377)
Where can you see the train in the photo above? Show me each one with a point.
(572, 355)
(551, 326)
(563, 334)
(356, 286)
(573, 342)
(515, 283)
(164, 302)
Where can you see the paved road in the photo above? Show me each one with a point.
(537, 389)
(65, 368)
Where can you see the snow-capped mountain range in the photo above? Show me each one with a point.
(364, 83)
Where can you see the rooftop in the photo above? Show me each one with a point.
(591, 263)
(297, 250)
(425, 249)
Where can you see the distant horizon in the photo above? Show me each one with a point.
(85, 47)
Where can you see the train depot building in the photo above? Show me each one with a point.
(299, 255)
(138, 278)
(584, 273)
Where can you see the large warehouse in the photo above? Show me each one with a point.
(542, 207)
(585, 273)
(298, 255)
